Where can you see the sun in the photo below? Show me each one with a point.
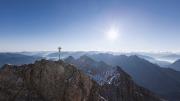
(112, 33)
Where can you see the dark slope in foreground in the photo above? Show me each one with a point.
(59, 81)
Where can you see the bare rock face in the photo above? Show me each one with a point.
(46, 81)
(120, 87)
(58, 81)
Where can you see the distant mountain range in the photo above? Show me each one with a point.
(175, 65)
(145, 70)
(161, 63)
(17, 59)
(171, 57)
(96, 70)
(160, 58)
(162, 81)
(65, 54)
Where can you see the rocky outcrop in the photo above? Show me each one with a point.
(120, 87)
(46, 81)
(58, 81)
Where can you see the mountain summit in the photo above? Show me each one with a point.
(59, 81)
(46, 81)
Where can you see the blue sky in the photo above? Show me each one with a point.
(81, 25)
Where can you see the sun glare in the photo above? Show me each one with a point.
(112, 33)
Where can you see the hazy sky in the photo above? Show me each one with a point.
(81, 25)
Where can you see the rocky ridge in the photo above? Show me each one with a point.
(59, 81)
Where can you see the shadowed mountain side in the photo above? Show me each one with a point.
(162, 81)
(93, 68)
(176, 65)
(120, 84)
